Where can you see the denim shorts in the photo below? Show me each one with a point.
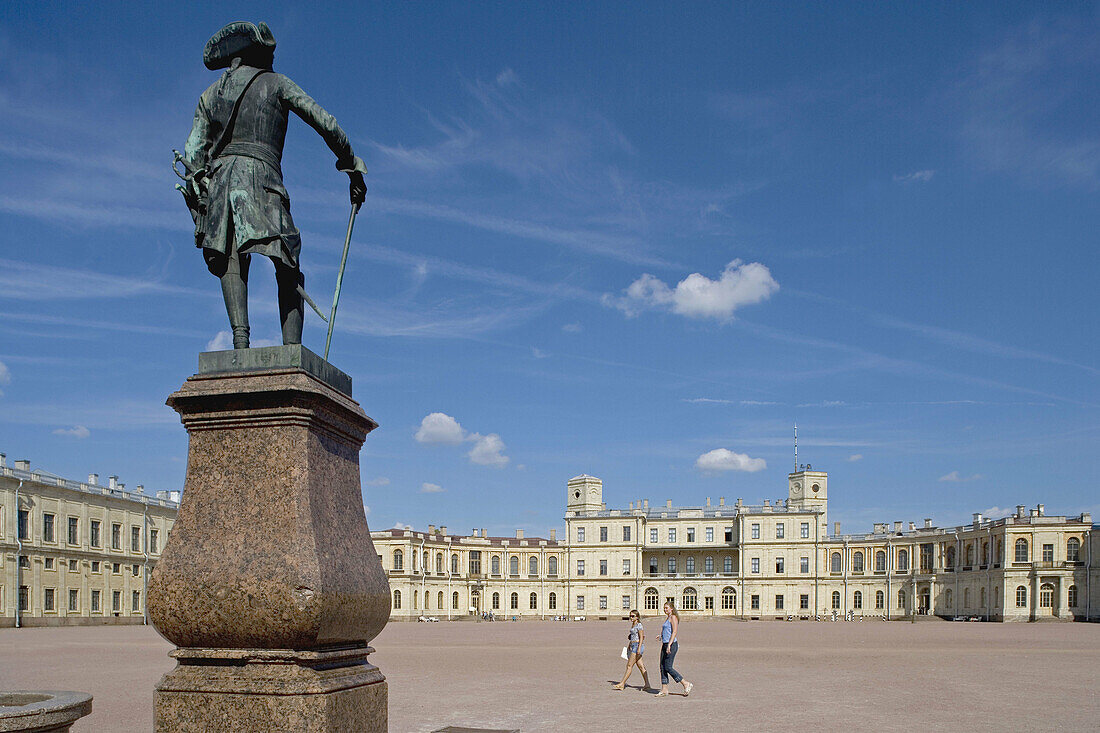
(634, 649)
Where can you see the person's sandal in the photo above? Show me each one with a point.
(661, 694)
(618, 687)
(687, 688)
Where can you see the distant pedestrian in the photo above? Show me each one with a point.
(669, 647)
(635, 646)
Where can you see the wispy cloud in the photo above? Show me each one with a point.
(429, 488)
(855, 457)
(697, 296)
(379, 481)
(31, 281)
(916, 176)
(77, 431)
(5, 376)
(954, 477)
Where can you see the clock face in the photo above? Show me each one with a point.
(576, 494)
(796, 489)
(816, 488)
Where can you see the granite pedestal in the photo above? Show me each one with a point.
(269, 583)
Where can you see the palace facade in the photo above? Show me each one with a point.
(767, 561)
(76, 552)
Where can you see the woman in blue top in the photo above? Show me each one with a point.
(669, 646)
(634, 647)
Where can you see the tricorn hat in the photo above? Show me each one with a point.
(232, 40)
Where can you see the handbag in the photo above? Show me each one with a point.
(624, 655)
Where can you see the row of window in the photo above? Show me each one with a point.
(73, 566)
(532, 600)
(690, 533)
(49, 534)
(672, 565)
(475, 563)
(49, 600)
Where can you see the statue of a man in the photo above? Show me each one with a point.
(235, 183)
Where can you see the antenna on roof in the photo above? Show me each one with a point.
(796, 447)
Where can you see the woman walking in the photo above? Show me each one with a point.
(669, 646)
(635, 646)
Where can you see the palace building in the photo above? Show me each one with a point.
(767, 561)
(76, 552)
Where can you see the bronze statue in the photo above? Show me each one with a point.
(234, 181)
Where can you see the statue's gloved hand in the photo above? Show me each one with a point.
(357, 188)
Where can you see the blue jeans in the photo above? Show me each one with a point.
(668, 653)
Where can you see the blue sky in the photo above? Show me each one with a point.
(639, 242)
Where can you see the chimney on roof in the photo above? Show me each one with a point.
(23, 465)
(3, 460)
(767, 503)
(836, 528)
(443, 529)
(928, 522)
(484, 533)
(1042, 510)
(474, 532)
(112, 482)
(977, 519)
(1020, 511)
(739, 502)
(645, 505)
(631, 506)
(519, 534)
(708, 501)
(897, 526)
(93, 479)
(1033, 513)
(431, 529)
(912, 526)
(553, 535)
(140, 489)
(721, 501)
(668, 503)
(880, 528)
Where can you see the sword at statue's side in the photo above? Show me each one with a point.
(340, 277)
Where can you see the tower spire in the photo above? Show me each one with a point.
(796, 447)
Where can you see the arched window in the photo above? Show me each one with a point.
(708, 565)
(969, 554)
(880, 561)
(966, 598)
(947, 599)
(454, 566)
(533, 601)
(1046, 596)
(533, 566)
(439, 566)
(514, 601)
(985, 553)
(513, 565)
(398, 560)
(651, 599)
(1073, 549)
(439, 601)
(424, 566)
(901, 600)
(689, 565)
(903, 561)
(949, 562)
(880, 600)
(552, 566)
(996, 596)
(397, 600)
(690, 599)
(496, 601)
(981, 597)
(1000, 552)
(857, 562)
(835, 563)
(729, 598)
(412, 556)
(727, 564)
(552, 601)
(857, 600)
(836, 599)
(1072, 596)
(1021, 597)
(494, 565)
(1021, 550)
(416, 599)
(672, 566)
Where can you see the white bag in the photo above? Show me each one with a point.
(623, 655)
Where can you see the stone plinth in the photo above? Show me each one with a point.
(269, 583)
(42, 711)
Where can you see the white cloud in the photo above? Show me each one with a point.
(440, 428)
(996, 512)
(427, 488)
(955, 477)
(507, 77)
(222, 342)
(697, 296)
(538, 353)
(380, 481)
(488, 450)
(77, 431)
(400, 525)
(366, 510)
(572, 328)
(5, 376)
(916, 176)
(855, 457)
(721, 459)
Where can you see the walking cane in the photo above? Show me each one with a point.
(340, 277)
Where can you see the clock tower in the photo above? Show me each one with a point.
(584, 493)
(808, 490)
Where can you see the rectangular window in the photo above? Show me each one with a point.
(24, 561)
(804, 601)
(653, 570)
(74, 531)
(603, 534)
(95, 601)
(49, 599)
(116, 601)
(73, 566)
(135, 601)
(94, 532)
(780, 530)
(47, 527)
(709, 536)
(626, 533)
(580, 603)
(95, 566)
(691, 534)
(603, 567)
(49, 563)
(74, 599)
(671, 534)
(779, 565)
(727, 564)
(804, 564)
(24, 598)
(626, 603)
(1048, 553)
(135, 539)
(154, 543)
(804, 530)
(580, 567)
(755, 531)
(580, 534)
(23, 522)
(603, 603)
(116, 536)
(475, 562)
(708, 565)
(778, 602)
(708, 603)
(689, 565)
(116, 568)
(135, 570)
(755, 563)
(755, 603)
(671, 565)
(653, 536)
(626, 566)
(729, 534)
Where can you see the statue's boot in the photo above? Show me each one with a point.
(290, 303)
(235, 292)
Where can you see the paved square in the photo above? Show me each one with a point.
(535, 676)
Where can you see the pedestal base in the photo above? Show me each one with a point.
(272, 690)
